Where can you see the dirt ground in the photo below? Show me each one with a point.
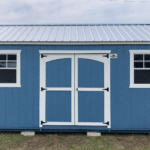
(75, 141)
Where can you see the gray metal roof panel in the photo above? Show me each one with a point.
(75, 32)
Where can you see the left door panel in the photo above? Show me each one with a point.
(57, 89)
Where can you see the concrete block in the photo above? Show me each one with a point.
(28, 133)
(93, 133)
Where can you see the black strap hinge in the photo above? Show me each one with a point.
(43, 122)
(107, 55)
(107, 89)
(43, 88)
(42, 55)
(106, 123)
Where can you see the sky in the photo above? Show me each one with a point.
(74, 11)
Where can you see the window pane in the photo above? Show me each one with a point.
(138, 64)
(147, 64)
(2, 57)
(147, 57)
(2, 64)
(142, 76)
(11, 57)
(11, 65)
(7, 76)
(138, 57)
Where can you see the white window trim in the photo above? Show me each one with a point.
(132, 52)
(18, 76)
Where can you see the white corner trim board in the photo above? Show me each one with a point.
(132, 84)
(74, 51)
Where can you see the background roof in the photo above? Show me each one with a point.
(75, 33)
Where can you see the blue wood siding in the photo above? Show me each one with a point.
(58, 73)
(130, 107)
(58, 106)
(90, 73)
(91, 106)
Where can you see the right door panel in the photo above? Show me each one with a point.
(92, 77)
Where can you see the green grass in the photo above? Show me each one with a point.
(71, 146)
(96, 143)
(10, 139)
(51, 144)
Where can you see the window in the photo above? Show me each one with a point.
(10, 68)
(139, 68)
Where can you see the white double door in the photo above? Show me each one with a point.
(75, 89)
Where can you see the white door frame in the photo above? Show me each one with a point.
(43, 83)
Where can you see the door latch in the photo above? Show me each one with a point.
(76, 89)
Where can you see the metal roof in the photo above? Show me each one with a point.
(75, 33)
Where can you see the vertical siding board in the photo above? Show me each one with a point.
(135, 101)
(9, 107)
(81, 105)
(86, 72)
(36, 86)
(30, 70)
(16, 99)
(80, 72)
(68, 72)
(23, 90)
(3, 107)
(2, 102)
(87, 106)
(147, 104)
(142, 96)
(67, 106)
(120, 85)
(142, 112)
(55, 70)
(127, 90)
(113, 85)
(62, 71)
(9, 101)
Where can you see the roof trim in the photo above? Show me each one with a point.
(74, 51)
(75, 43)
(84, 24)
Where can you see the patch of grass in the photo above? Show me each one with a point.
(61, 138)
(145, 147)
(10, 139)
(118, 139)
(51, 144)
(128, 140)
(3, 149)
(96, 143)
(71, 146)
(91, 147)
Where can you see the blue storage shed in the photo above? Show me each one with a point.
(75, 77)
